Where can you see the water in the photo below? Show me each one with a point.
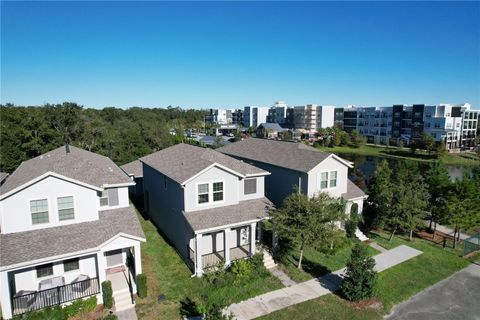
(364, 167)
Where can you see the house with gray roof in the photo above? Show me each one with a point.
(134, 170)
(296, 167)
(66, 226)
(269, 130)
(208, 204)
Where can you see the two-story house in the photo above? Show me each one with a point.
(297, 167)
(208, 204)
(65, 227)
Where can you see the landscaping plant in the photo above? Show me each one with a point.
(107, 294)
(142, 286)
(359, 282)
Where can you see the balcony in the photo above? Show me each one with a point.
(25, 301)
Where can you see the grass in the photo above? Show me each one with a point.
(315, 263)
(464, 159)
(168, 274)
(394, 285)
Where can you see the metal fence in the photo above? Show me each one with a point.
(56, 296)
(471, 244)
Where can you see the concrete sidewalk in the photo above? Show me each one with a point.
(311, 289)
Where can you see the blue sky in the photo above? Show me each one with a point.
(227, 54)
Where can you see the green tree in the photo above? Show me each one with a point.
(427, 142)
(439, 184)
(441, 149)
(357, 139)
(310, 222)
(360, 278)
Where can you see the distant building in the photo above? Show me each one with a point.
(253, 116)
(269, 130)
(311, 117)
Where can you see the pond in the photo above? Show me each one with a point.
(364, 167)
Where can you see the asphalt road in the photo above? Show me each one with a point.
(457, 297)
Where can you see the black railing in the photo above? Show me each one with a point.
(55, 296)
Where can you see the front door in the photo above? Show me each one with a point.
(243, 236)
(114, 258)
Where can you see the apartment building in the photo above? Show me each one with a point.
(282, 114)
(375, 123)
(253, 116)
(311, 117)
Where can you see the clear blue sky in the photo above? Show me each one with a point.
(226, 54)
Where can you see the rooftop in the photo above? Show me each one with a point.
(291, 155)
(85, 166)
(183, 161)
(33, 245)
(272, 126)
(353, 191)
(134, 168)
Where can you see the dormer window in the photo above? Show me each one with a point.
(203, 193)
(217, 191)
(104, 198)
(65, 208)
(39, 210)
(328, 180)
(333, 179)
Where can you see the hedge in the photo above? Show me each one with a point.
(107, 294)
(142, 286)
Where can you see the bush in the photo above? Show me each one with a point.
(110, 316)
(241, 269)
(142, 286)
(351, 225)
(257, 261)
(59, 313)
(360, 277)
(81, 306)
(107, 294)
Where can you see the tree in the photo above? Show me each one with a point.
(439, 184)
(441, 149)
(358, 140)
(344, 138)
(380, 196)
(427, 142)
(310, 222)
(360, 278)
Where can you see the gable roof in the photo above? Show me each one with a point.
(290, 155)
(3, 176)
(273, 126)
(134, 168)
(353, 191)
(182, 162)
(21, 247)
(80, 165)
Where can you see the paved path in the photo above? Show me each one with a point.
(457, 297)
(448, 230)
(377, 246)
(128, 314)
(282, 276)
(283, 298)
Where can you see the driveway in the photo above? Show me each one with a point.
(457, 297)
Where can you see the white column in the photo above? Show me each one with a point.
(5, 296)
(138, 264)
(198, 255)
(226, 245)
(252, 238)
(102, 276)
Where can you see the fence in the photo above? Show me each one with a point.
(471, 244)
(56, 296)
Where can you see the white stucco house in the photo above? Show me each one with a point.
(296, 165)
(208, 204)
(65, 227)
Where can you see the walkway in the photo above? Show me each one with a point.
(282, 276)
(448, 230)
(376, 246)
(456, 297)
(312, 289)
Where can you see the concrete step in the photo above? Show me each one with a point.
(359, 234)
(123, 301)
(268, 261)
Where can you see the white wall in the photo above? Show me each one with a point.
(214, 174)
(26, 279)
(15, 210)
(325, 116)
(330, 164)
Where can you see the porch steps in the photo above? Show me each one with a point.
(360, 235)
(123, 300)
(268, 261)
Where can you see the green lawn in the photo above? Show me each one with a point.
(317, 264)
(167, 274)
(394, 285)
(465, 159)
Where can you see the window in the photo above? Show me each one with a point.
(45, 270)
(333, 179)
(65, 208)
(217, 191)
(203, 193)
(39, 210)
(70, 265)
(324, 180)
(250, 186)
(104, 198)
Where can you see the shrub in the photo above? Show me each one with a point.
(241, 269)
(257, 261)
(216, 272)
(142, 285)
(107, 294)
(351, 225)
(110, 316)
(81, 306)
(360, 277)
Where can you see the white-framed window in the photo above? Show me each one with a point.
(217, 191)
(332, 178)
(324, 180)
(71, 265)
(44, 270)
(104, 198)
(39, 210)
(203, 193)
(65, 208)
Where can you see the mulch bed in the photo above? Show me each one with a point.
(372, 303)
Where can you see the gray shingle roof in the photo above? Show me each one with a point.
(3, 176)
(274, 126)
(49, 242)
(134, 168)
(79, 164)
(243, 211)
(183, 161)
(291, 155)
(353, 191)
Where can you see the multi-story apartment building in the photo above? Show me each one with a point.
(350, 116)
(253, 116)
(221, 116)
(67, 226)
(282, 114)
(375, 123)
(312, 117)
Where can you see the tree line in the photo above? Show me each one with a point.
(121, 134)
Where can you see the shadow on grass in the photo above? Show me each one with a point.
(188, 308)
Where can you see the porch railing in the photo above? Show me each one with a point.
(212, 259)
(239, 252)
(55, 296)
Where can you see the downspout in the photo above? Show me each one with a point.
(299, 183)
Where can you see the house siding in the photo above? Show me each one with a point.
(330, 164)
